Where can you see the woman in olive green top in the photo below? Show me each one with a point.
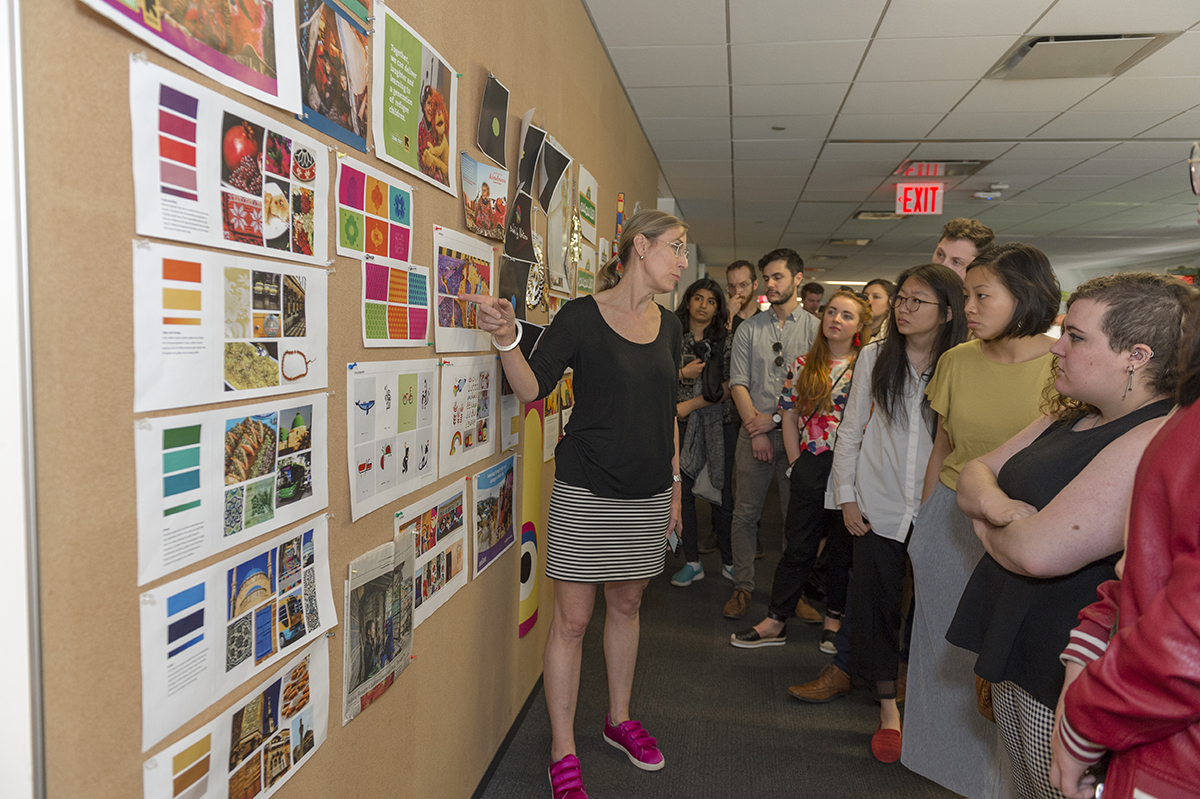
(984, 391)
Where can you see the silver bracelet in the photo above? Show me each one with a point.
(515, 341)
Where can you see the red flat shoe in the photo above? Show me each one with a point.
(885, 745)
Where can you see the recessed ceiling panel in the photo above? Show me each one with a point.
(912, 97)
(951, 58)
(960, 151)
(1091, 17)
(696, 169)
(1184, 126)
(769, 168)
(759, 21)
(691, 150)
(671, 66)
(816, 62)
(1060, 149)
(884, 126)
(879, 169)
(915, 19)
(1144, 94)
(1007, 124)
(1028, 96)
(867, 151)
(814, 126)
(1101, 124)
(701, 188)
(785, 150)
(686, 128)
(696, 101)
(1181, 56)
(788, 99)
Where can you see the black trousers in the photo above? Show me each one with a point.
(875, 605)
(807, 521)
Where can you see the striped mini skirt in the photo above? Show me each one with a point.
(591, 539)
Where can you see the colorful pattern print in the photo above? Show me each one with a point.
(820, 434)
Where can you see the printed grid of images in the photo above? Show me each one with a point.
(262, 311)
(270, 733)
(459, 273)
(469, 411)
(271, 602)
(436, 525)
(268, 465)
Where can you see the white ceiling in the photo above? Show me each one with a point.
(1096, 167)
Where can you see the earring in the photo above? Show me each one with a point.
(1128, 381)
(857, 341)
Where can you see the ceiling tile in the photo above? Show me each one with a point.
(867, 151)
(768, 189)
(879, 169)
(860, 183)
(671, 66)
(758, 149)
(959, 58)
(1025, 96)
(693, 101)
(686, 128)
(768, 168)
(1055, 149)
(960, 151)
(1006, 124)
(819, 217)
(834, 195)
(750, 210)
(658, 23)
(691, 150)
(1040, 195)
(721, 210)
(1090, 183)
(1007, 213)
(698, 169)
(1184, 126)
(1170, 152)
(1100, 124)
(1046, 167)
(1127, 167)
(1068, 17)
(788, 99)
(759, 21)
(712, 188)
(912, 97)
(911, 19)
(1144, 94)
(1178, 57)
(818, 62)
(884, 126)
(812, 126)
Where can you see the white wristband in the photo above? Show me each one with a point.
(515, 341)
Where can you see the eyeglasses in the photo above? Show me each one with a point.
(777, 347)
(910, 304)
(733, 288)
(678, 246)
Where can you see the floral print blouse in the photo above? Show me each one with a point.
(820, 433)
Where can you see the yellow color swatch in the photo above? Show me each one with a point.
(181, 299)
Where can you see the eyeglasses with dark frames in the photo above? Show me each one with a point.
(909, 304)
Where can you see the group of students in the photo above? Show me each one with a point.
(933, 424)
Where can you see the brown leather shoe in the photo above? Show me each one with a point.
(901, 683)
(807, 613)
(831, 683)
(738, 604)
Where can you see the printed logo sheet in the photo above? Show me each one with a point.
(213, 327)
(205, 634)
(391, 419)
(212, 480)
(437, 526)
(462, 265)
(379, 623)
(254, 747)
(246, 46)
(468, 412)
(589, 192)
(414, 97)
(492, 496)
(209, 171)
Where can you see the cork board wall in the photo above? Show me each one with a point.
(435, 731)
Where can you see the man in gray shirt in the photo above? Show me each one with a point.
(764, 348)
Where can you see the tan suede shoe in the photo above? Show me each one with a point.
(831, 683)
(737, 605)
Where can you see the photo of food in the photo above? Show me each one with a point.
(293, 306)
(251, 365)
(277, 215)
(241, 154)
(260, 502)
(335, 72)
(295, 691)
(250, 447)
(237, 302)
(302, 220)
(266, 291)
(279, 155)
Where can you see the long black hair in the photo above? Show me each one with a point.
(890, 376)
(716, 326)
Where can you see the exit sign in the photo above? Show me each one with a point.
(919, 198)
(922, 169)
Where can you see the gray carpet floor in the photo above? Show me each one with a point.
(723, 718)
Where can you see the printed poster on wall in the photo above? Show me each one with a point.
(588, 194)
(531, 518)
(468, 412)
(492, 498)
(391, 417)
(463, 265)
(510, 414)
(213, 327)
(437, 525)
(558, 226)
(532, 138)
(213, 480)
(209, 171)
(254, 747)
(335, 73)
(395, 305)
(493, 120)
(205, 634)
(415, 97)
(379, 623)
(375, 214)
(555, 164)
(585, 273)
(246, 46)
(485, 193)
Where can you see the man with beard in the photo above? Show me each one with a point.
(764, 346)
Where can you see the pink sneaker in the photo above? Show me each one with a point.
(566, 780)
(635, 742)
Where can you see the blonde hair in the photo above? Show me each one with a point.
(650, 223)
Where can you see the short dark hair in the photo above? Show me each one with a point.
(1025, 271)
(795, 263)
(972, 230)
(742, 265)
(812, 288)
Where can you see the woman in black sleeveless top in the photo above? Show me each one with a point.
(1049, 505)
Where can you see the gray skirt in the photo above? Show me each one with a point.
(945, 738)
(591, 539)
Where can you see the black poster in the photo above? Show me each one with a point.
(493, 120)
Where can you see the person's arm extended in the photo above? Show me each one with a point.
(496, 316)
(791, 434)
(1084, 523)
(941, 451)
(979, 495)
